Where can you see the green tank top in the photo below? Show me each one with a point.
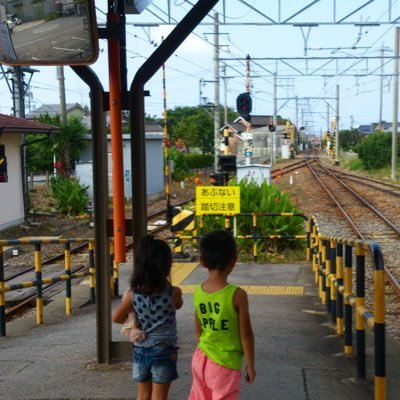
(220, 339)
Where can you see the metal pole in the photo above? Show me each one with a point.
(19, 111)
(216, 92)
(337, 127)
(100, 194)
(225, 98)
(395, 103)
(61, 86)
(137, 110)
(115, 100)
(275, 119)
(381, 90)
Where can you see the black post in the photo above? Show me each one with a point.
(100, 195)
(137, 111)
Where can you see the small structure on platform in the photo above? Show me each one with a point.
(258, 173)
(154, 163)
(13, 176)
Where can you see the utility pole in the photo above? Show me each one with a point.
(61, 86)
(275, 120)
(225, 98)
(381, 89)
(216, 92)
(337, 127)
(18, 90)
(395, 104)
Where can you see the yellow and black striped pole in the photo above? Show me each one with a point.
(309, 227)
(67, 268)
(254, 225)
(2, 296)
(348, 310)
(323, 271)
(39, 286)
(327, 275)
(339, 280)
(332, 280)
(167, 184)
(91, 272)
(379, 326)
(360, 307)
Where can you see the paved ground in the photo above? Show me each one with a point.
(298, 356)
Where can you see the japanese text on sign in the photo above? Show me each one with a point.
(217, 200)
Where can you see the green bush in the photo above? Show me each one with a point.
(199, 160)
(375, 150)
(71, 197)
(262, 199)
(180, 165)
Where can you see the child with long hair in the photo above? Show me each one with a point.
(154, 301)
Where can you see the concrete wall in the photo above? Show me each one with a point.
(11, 197)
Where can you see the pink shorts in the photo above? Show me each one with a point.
(212, 381)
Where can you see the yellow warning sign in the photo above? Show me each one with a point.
(217, 200)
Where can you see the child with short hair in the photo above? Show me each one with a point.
(222, 322)
(154, 301)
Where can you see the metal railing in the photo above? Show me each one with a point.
(332, 262)
(39, 282)
(231, 224)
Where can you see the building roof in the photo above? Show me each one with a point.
(236, 126)
(365, 128)
(263, 120)
(52, 110)
(10, 124)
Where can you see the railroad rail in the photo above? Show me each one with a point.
(348, 201)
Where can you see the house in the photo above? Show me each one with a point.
(13, 210)
(258, 132)
(154, 163)
(55, 109)
(365, 129)
(73, 109)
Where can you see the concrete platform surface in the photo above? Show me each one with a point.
(298, 355)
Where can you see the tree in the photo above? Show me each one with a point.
(350, 138)
(375, 150)
(65, 145)
(195, 126)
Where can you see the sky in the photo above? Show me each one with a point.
(244, 31)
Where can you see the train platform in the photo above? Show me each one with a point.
(298, 354)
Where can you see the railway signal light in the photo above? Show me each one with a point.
(244, 105)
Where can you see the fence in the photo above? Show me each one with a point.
(334, 275)
(39, 281)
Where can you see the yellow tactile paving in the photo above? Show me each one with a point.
(180, 271)
(262, 290)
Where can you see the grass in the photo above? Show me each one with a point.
(355, 164)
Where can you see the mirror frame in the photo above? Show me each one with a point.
(93, 37)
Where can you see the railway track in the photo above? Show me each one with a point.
(363, 210)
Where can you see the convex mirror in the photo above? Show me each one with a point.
(60, 32)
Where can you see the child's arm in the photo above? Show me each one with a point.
(241, 304)
(124, 308)
(197, 327)
(177, 299)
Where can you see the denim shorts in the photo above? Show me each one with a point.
(156, 364)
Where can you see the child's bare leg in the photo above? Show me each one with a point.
(160, 391)
(144, 390)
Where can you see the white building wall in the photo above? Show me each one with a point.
(11, 196)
